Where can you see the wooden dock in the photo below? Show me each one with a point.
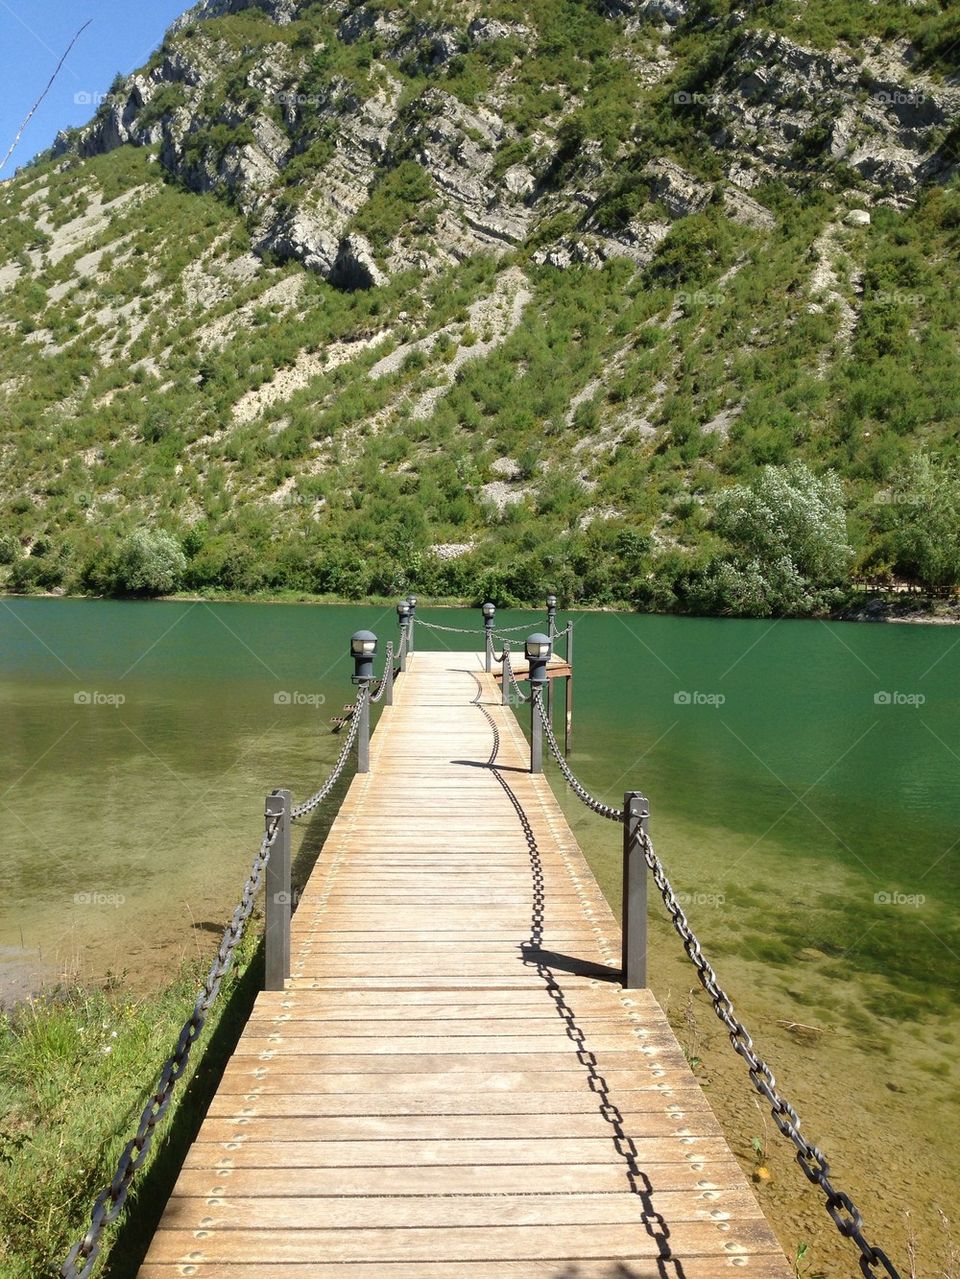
(453, 1083)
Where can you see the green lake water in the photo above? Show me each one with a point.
(804, 781)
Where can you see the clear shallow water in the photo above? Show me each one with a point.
(812, 823)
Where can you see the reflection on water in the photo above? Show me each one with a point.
(805, 789)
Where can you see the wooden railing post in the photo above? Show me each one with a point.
(505, 675)
(279, 893)
(636, 815)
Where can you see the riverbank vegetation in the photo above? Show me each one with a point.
(76, 1070)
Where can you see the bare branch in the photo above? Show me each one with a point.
(30, 114)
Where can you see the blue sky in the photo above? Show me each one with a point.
(33, 36)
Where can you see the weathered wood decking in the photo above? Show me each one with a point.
(453, 1083)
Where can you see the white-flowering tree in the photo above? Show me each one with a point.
(788, 536)
(149, 562)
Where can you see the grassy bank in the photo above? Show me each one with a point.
(76, 1070)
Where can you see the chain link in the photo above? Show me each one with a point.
(109, 1205)
(595, 805)
(315, 800)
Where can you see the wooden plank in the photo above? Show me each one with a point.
(754, 1265)
(520, 1101)
(355, 1212)
(389, 1180)
(463, 1243)
(539, 1152)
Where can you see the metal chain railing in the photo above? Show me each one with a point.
(453, 630)
(383, 681)
(843, 1211)
(315, 800)
(500, 631)
(595, 805)
(507, 673)
(109, 1205)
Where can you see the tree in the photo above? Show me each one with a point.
(149, 562)
(924, 522)
(788, 534)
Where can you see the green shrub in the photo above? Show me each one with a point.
(149, 562)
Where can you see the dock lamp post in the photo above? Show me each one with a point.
(538, 649)
(363, 648)
(412, 601)
(489, 612)
(403, 617)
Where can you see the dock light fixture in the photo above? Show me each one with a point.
(538, 650)
(363, 647)
(551, 615)
(403, 612)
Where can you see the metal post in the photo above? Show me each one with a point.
(505, 675)
(412, 601)
(568, 721)
(403, 617)
(278, 894)
(489, 611)
(537, 651)
(552, 632)
(636, 816)
(388, 676)
(536, 735)
(363, 733)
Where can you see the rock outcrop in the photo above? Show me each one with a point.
(774, 109)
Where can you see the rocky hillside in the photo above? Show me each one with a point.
(348, 297)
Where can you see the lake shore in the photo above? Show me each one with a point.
(900, 609)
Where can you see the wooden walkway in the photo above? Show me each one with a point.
(454, 1084)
